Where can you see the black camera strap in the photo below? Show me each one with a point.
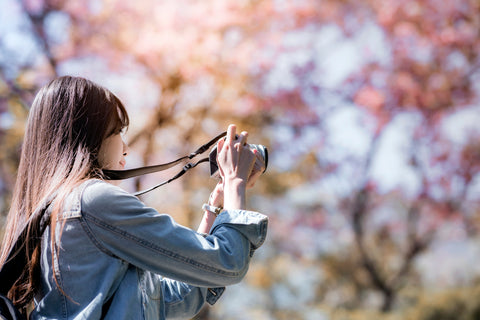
(125, 174)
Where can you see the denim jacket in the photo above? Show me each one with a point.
(119, 259)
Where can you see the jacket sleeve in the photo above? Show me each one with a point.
(124, 227)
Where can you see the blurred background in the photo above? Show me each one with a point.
(369, 108)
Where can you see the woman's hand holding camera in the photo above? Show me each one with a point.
(235, 161)
(216, 197)
(239, 168)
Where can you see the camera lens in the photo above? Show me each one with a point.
(263, 152)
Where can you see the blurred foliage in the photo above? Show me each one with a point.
(459, 304)
(331, 87)
(453, 304)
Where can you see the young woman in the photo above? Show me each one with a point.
(104, 254)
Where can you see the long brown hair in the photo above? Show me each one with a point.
(68, 121)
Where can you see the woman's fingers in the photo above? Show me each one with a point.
(234, 156)
(243, 138)
(231, 134)
(253, 178)
(220, 144)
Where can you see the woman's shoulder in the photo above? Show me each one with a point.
(111, 204)
(99, 193)
(96, 186)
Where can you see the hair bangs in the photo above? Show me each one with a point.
(119, 119)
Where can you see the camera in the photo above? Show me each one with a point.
(262, 150)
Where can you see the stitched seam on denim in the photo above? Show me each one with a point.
(142, 274)
(76, 211)
(143, 293)
(70, 214)
(58, 275)
(85, 225)
(158, 249)
(263, 232)
(94, 240)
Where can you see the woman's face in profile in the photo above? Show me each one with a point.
(112, 153)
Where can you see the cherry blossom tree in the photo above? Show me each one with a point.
(368, 109)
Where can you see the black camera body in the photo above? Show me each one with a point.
(212, 157)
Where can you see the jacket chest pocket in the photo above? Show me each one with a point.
(150, 284)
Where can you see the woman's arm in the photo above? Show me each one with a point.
(215, 200)
(123, 226)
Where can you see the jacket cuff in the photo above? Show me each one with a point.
(213, 294)
(252, 225)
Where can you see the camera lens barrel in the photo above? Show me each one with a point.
(263, 152)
